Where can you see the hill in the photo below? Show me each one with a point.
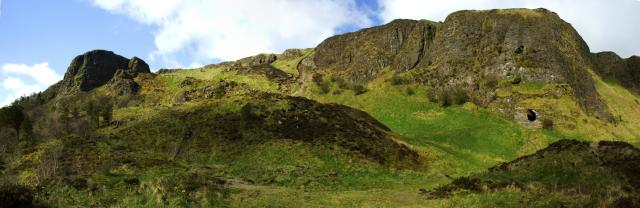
(410, 113)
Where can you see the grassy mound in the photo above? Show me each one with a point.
(602, 173)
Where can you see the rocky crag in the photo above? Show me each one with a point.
(477, 52)
(95, 68)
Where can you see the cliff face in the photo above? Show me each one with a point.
(95, 68)
(401, 45)
(625, 71)
(470, 51)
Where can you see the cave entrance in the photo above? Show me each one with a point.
(531, 115)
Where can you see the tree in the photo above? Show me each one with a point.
(12, 116)
(26, 127)
(63, 117)
(93, 113)
(107, 113)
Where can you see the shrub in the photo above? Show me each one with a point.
(410, 91)
(325, 87)
(446, 97)
(396, 80)
(342, 84)
(458, 97)
(317, 78)
(359, 89)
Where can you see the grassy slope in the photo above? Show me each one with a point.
(458, 140)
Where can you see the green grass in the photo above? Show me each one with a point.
(458, 139)
(290, 66)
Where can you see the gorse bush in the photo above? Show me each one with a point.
(448, 97)
(397, 80)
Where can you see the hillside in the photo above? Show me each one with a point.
(407, 114)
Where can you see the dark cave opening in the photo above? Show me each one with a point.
(531, 115)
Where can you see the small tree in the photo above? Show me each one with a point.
(26, 127)
(107, 113)
(63, 117)
(92, 113)
(12, 116)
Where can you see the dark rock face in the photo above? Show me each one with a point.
(122, 84)
(534, 45)
(137, 65)
(401, 45)
(465, 51)
(95, 68)
(625, 71)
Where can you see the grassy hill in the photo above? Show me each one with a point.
(312, 128)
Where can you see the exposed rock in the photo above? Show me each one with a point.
(137, 65)
(122, 84)
(95, 68)
(464, 51)
(625, 71)
(91, 70)
(265, 70)
(291, 54)
(259, 59)
(361, 55)
(208, 92)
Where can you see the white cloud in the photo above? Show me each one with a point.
(605, 25)
(20, 79)
(228, 30)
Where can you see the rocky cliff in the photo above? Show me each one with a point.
(95, 68)
(625, 71)
(471, 52)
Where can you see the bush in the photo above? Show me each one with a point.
(342, 84)
(317, 78)
(410, 91)
(397, 80)
(359, 89)
(325, 87)
(458, 97)
(446, 97)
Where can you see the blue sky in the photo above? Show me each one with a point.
(39, 38)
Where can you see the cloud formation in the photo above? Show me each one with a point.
(605, 25)
(20, 79)
(206, 30)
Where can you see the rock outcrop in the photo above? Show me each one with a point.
(469, 52)
(95, 68)
(625, 71)
(400, 45)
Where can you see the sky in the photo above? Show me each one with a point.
(38, 39)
